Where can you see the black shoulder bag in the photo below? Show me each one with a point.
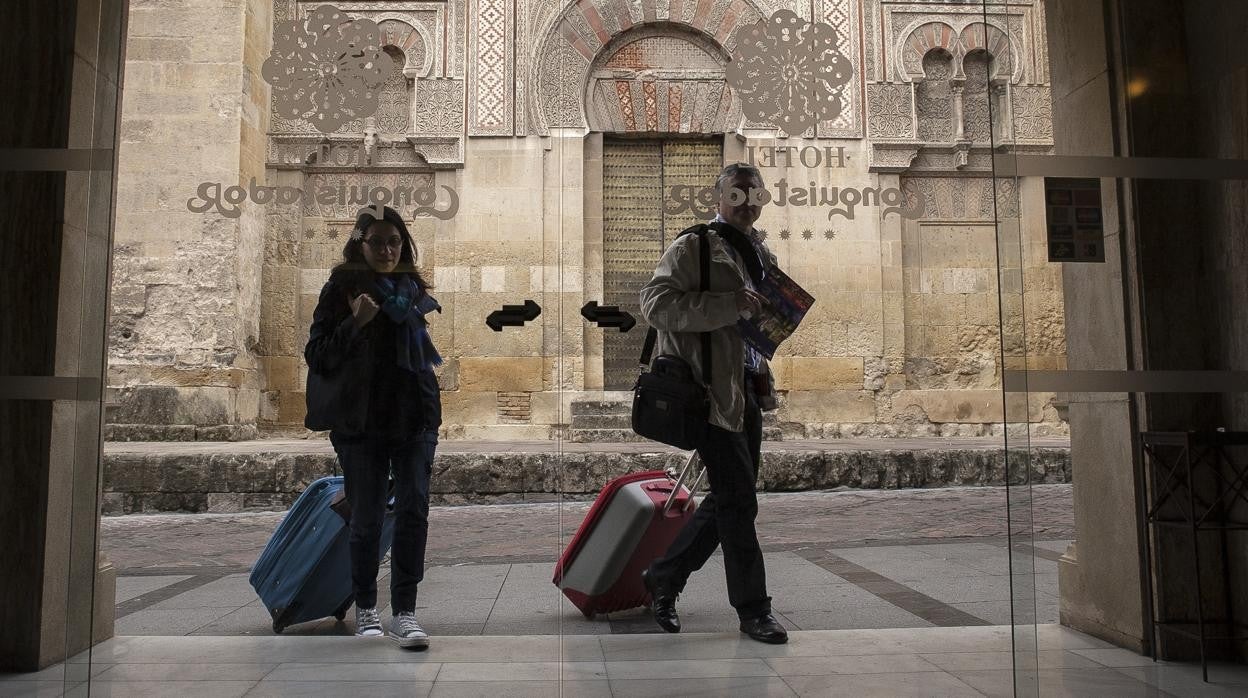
(339, 400)
(670, 405)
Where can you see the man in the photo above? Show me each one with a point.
(673, 304)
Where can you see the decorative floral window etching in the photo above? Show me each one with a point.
(395, 102)
(975, 97)
(326, 69)
(789, 71)
(935, 98)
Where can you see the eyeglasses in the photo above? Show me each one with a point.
(393, 243)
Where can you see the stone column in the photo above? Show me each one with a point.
(957, 87)
(888, 374)
(594, 261)
(1099, 576)
(56, 591)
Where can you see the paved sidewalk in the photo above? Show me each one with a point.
(976, 661)
(836, 560)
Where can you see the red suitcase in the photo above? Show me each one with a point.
(633, 521)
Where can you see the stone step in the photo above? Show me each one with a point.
(623, 420)
(600, 407)
(626, 435)
(597, 436)
(260, 480)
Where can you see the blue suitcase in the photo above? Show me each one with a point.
(304, 572)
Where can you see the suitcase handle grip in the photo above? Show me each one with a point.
(693, 462)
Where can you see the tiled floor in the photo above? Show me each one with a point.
(970, 661)
(888, 586)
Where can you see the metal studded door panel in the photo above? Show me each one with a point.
(636, 174)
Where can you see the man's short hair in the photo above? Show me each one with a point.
(730, 172)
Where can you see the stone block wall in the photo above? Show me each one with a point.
(211, 312)
(186, 293)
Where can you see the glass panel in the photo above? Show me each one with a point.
(1002, 83)
(1121, 315)
(881, 203)
(253, 166)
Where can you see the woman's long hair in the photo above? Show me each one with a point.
(354, 271)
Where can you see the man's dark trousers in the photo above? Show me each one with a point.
(725, 516)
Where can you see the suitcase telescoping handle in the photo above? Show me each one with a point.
(685, 472)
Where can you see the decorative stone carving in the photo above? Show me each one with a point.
(915, 33)
(1033, 113)
(843, 15)
(402, 33)
(890, 111)
(568, 36)
(395, 101)
(492, 70)
(888, 157)
(652, 78)
(439, 151)
(439, 106)
(955, 198)
(558, 84)
(1007, 197)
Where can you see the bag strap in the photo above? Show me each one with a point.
(704, 284)
(704, 274)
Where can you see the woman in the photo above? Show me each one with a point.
(375, 302)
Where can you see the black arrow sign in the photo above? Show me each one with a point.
(513, 315)
(608, 316)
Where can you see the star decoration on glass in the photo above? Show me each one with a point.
(762, 234)
(784, 234)
(829, 234)
(808, 234)
(309, 233)
(332, 234)
(357, 234)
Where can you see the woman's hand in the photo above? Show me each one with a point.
(363, 309)
(750, 301)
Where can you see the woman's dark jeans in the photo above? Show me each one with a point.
(367, 463)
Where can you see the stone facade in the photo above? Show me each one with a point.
(512, 132)
(184, 359)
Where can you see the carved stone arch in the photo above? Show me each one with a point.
(958, 38)
(934, 96)
(993, 41)
(660, 77)
(560, 69)
(410, 38)
(921, 41)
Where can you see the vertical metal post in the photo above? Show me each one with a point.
(1191, 508)
(1146, 529)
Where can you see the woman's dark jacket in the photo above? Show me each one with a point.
(401, 403)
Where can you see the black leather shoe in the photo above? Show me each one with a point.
(765, 628)
(662, 602)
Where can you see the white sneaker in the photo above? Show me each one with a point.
(367, 622)
(407, 632)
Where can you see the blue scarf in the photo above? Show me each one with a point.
(406, 305)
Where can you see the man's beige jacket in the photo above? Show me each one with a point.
(672, 303)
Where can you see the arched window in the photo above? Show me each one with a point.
(976, 96)
(935, 97)
(394, 104)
